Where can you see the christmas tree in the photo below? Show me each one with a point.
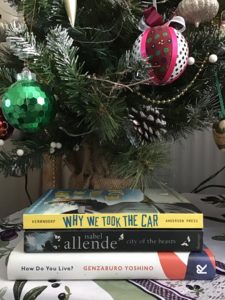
(107, 84)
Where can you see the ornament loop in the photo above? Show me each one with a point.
(178, 23)
(151, 18)
(26, 75)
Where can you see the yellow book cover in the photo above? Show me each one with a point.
(127, 208)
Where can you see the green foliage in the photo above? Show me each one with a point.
(13, 165)
(2, 293)
(106, 115)
(7, 77)
(89, 70)
(44, 67)
(34, 293)
(65, 57)
(21, 41)
(139, 163)
(18, 288)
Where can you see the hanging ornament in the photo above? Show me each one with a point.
(222, 24)
(213, 58)
(55, 146)
(71, 10)
(5, 128)
(26, 105)
(58, 146)
(20, 152)
(191, 61)
(219, 127)
(198, 11)
(161, 50)
(148, 122)
(219, 134)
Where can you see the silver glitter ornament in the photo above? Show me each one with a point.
(198, 11)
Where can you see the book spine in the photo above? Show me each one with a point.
(114, 220)
(118, 240)
(86, 266)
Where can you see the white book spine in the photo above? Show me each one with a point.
(85, 267)
(110, 265)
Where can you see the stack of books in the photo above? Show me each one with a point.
(113, 234)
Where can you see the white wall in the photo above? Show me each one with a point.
(8, 13)
(193, 160)
(12, 192)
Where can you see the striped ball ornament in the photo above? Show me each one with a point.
(164, 52)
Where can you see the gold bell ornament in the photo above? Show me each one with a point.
(219, 134)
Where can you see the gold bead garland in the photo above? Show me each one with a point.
(52, 157)
(184, 91)
(52, 160)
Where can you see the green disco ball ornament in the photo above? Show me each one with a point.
(27, 105)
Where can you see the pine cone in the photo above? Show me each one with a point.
(148, 122)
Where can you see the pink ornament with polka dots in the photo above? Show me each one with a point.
(165, 51)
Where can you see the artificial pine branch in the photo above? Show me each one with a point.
(66, 61)
(138, 163)
(44, 67)
(12, 165)
(87, 69)
(7, 77)
(21, 41)
(7, 58)
(106, 115)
